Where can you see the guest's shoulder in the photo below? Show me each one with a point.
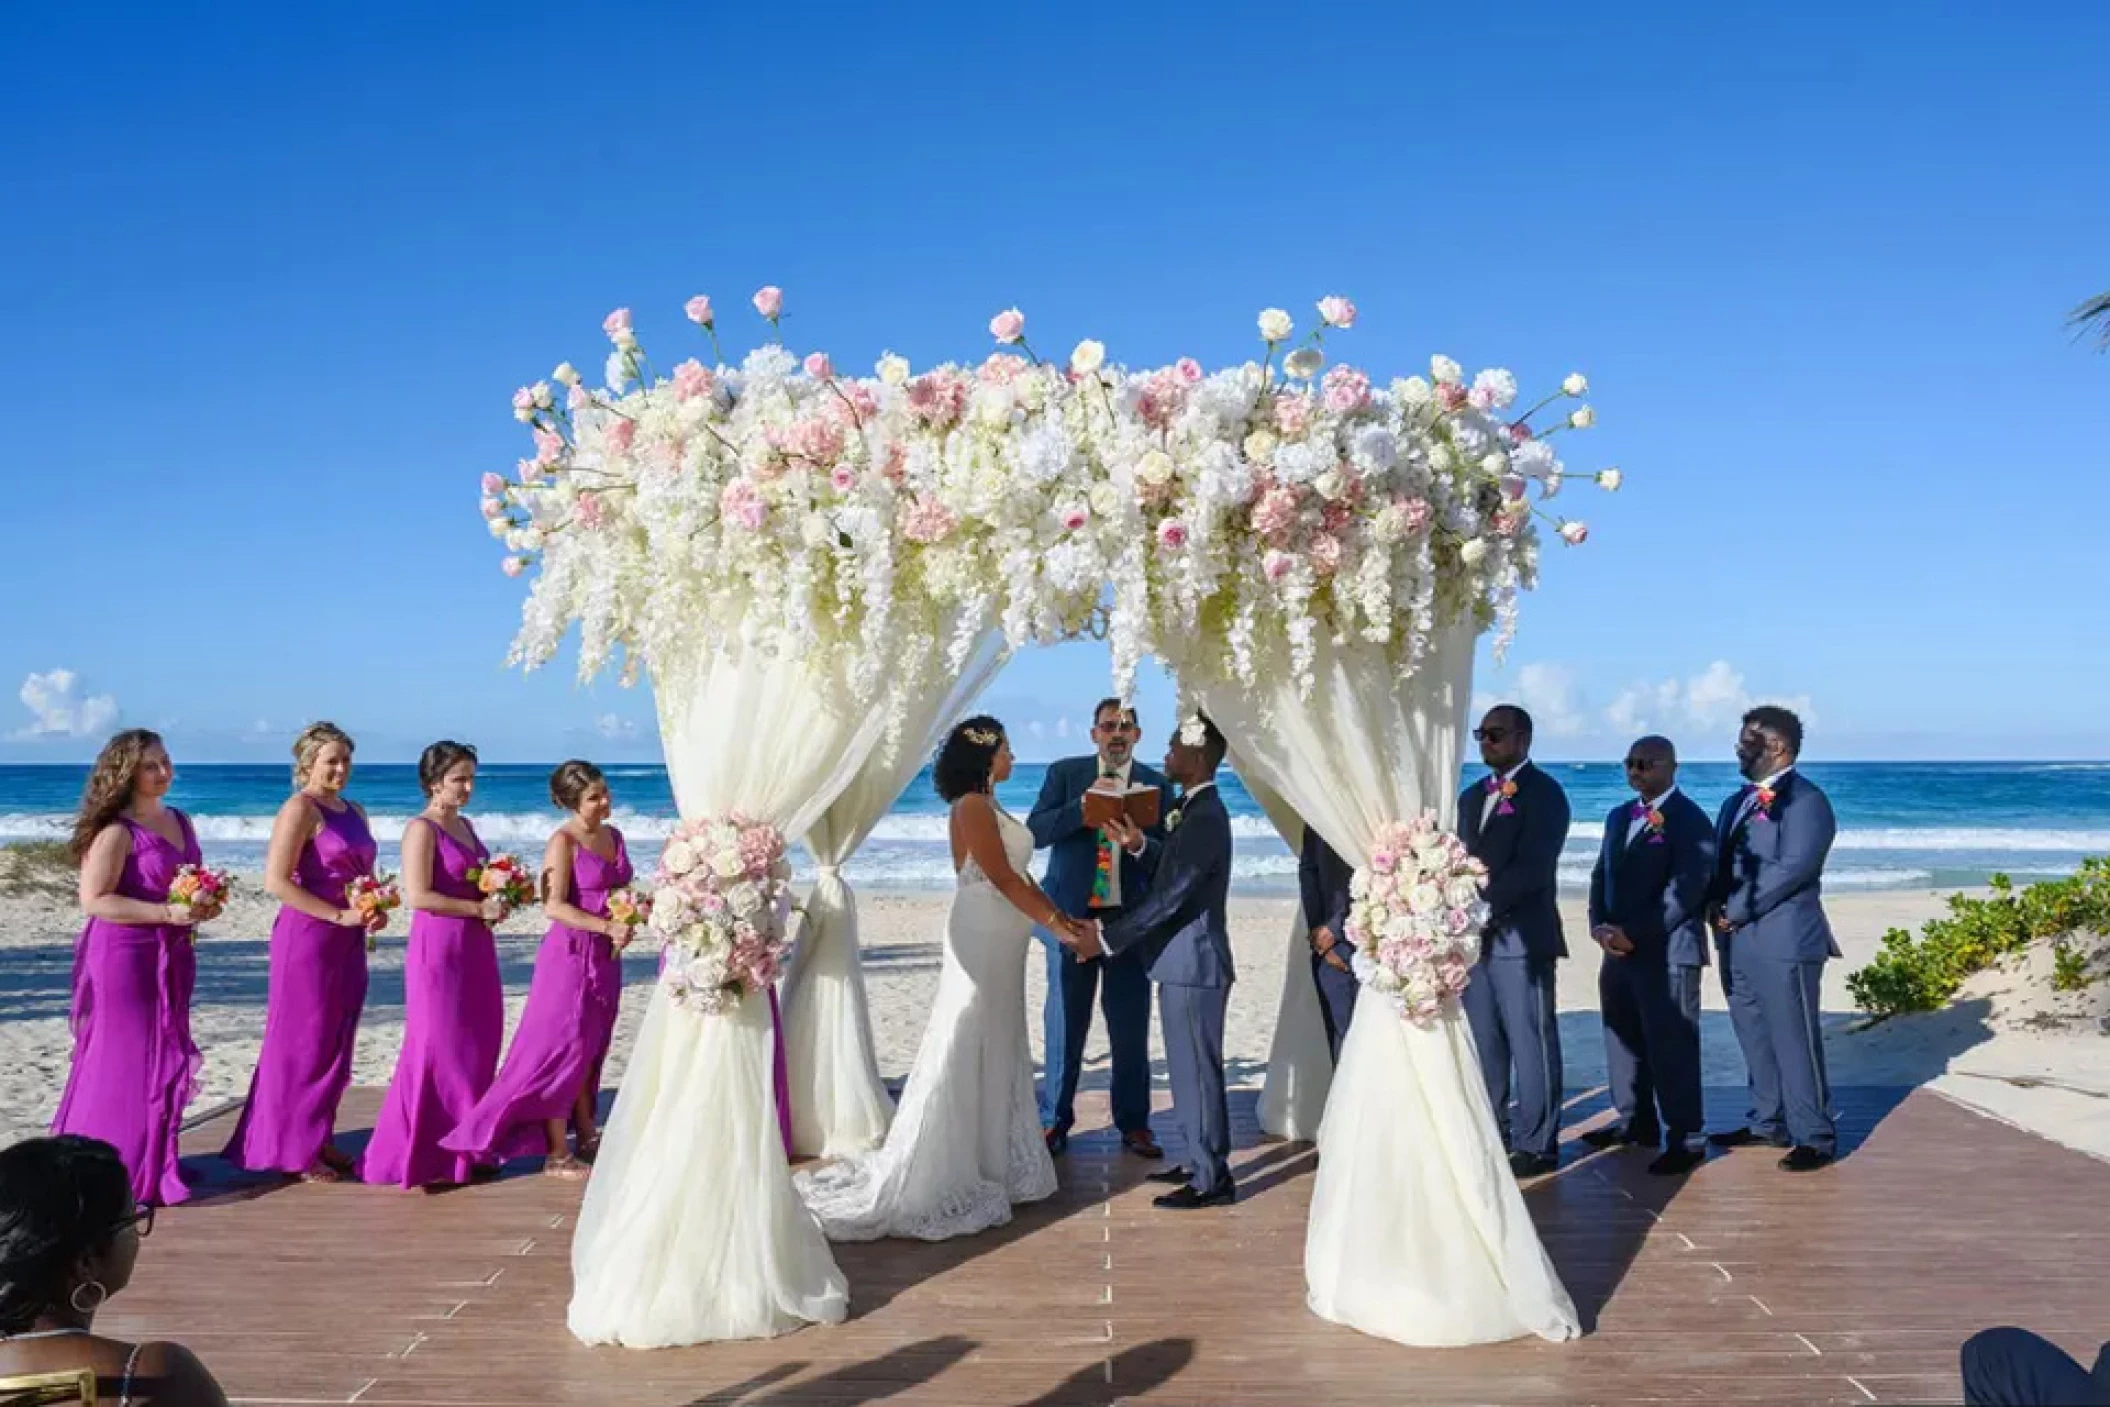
(1682, 806)
(1541, 780)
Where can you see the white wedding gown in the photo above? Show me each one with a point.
(1418, 1231)
(965, 1143)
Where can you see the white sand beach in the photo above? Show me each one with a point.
(2009, 1045)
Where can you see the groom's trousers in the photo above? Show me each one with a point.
(1509, 1004)
(1193, 1018)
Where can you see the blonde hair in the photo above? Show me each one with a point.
(309, 745)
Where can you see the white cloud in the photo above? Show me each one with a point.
(1547, 692)
(1710, 702)
(259, 731)
(615, 727)
(57, 708)
(1062, 727)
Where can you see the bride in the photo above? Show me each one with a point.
(965, 1142)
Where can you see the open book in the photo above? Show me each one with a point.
(1108, 798)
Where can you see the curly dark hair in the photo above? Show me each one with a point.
(964, 759)
(109, 788)
(60, 1199)
(436, 761)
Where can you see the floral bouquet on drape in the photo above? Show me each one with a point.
(720, 905)
(1415, 916)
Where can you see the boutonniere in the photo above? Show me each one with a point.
(1172, 820)
(1506, 790)
(1762, 804)
(1652, 821)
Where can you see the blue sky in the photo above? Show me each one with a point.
(270, 277)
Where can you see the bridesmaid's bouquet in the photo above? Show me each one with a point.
(721, 909)
(373, 896)
(629, 907)
(1415, 916)
(198, 887)
(504, 878)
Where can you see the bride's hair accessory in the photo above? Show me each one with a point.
(966, 757)
(982, 737)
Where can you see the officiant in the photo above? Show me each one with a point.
(1091, 877)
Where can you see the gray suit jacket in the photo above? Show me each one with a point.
(1769, 877)
(1522, 851)
(1180, 927)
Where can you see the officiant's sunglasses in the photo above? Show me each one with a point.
(1117, 725)
(1490, 735)
(1643, 764)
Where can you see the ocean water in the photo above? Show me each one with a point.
(1901, 825)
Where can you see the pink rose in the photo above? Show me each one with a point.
(616, 324)
(588, 511)
(842, 478)
(494, 484)
(1326, 555)
(1008, 326)
(1075, 517)
(1346, 389)
(818, 366)
(621, 435)
(549, 446)
(1416, 512)
(1000, 369)
(927, 520)
(524, 399)
(692, 379)
(492, 507)
(1574, 533)
(1277, 565)
(1189, 369)
(1172, 534)
(513, 566)
(1275, 515)
(699, 310)
(1384, 861)
(769, 302)
(578, 398)
(1292, 414)
(741, 504)
(1452, 395)
(1519, 433)
(1337, 311)
(1512, 486)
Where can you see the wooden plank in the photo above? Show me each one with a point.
(1740, 1284)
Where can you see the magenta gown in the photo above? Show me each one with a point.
(134, 1064)
(453, 1023)
(318, 989)
(565, 1029)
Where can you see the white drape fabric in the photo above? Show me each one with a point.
(839, 1105)
(691, 1231)
(1418, 1232)
(1299, 1065)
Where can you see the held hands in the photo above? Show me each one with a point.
(1080, 936)
(1323, 942)
(1613, 939)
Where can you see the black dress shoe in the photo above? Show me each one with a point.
(1140, 1143)
(1532, 1164)
(1186, 1199)
(1676, 1162)
(1805, 1159)
(1616, 1137)
(1742, 1138)
(1175, 1175)
(1058, 1141)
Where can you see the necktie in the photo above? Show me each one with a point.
(1103, 870)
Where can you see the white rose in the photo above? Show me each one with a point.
(1275, 325)
(1414, 391)
(815, 532)
(1445, 371)
(1424, 899)
(1088, 357)
(1473, 552)
(1032, 392)
(1105, 500)
(1154, 468)
(1583, 419)
(1461, 893)
(1610, 480)
(1304, 363)
(893, 370)
(499, 528)
(1494, 465)
(1330, 484)
(1260, 446)
(726, 864)
(745, 899)
(680, 858)
(565, 374)
(1575, 384)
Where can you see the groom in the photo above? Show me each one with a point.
(1089, 876)
(1180, 932)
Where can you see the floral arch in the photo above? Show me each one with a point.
(821, 571)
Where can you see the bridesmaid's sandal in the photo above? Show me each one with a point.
(568, 1168)
(335, 1160)
(322, 1172)
(589, 1149)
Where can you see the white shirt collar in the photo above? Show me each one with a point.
(1190, 793)
(1122, 771)
(1511, 774)
(1774, 780)
(1655, 802)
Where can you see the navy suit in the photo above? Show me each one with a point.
(1057, 823)
(1322, 883)
(1652, 885)
(1769, 883)
(1510, 1001)
(1180, 933)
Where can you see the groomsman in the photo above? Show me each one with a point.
(1089, 876)
(1322, 880)
(1648, 900)
(1515, 822)
(1767, 909)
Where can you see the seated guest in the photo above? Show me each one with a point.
(70, 1230)
(1648, 901)
(2015, 1368)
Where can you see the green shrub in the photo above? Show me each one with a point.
(1921, 974)
(29, 866)
(2069, 969)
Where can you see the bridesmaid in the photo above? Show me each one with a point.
(453, 1000)
(319, 843)
(134, 1064)
(552, 1073)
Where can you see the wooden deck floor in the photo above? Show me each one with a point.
(1740, 1285)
